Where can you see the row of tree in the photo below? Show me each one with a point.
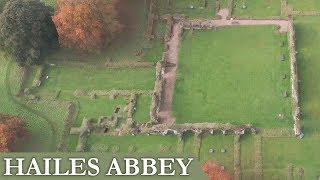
(29, 29)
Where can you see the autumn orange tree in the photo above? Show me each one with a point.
(86, 25)
(214, 171)
(12, 129)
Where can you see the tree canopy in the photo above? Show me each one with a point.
(214, 171)
(12, 129)
(2, 4)
(27, 31)
(87, 25)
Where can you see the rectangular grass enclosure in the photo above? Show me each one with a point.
(305, 5)
(234, 75)
(257, 8)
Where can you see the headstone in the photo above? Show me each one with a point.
(301, 136)
(223, 151)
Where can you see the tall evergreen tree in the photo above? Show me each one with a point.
(27, 30)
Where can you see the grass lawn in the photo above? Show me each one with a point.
(218, 142)
(72, 78)
(141, 144)
(189, 143)
(308, 38)
(183, 7)
(142, 114)
(233, 75)
(305, 5)
(278, 153)
(42, 133)
(73, 142)
(224, 4)
(94, 108)
(256, 8)
(247, 156)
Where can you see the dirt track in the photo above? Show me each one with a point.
(165, 114)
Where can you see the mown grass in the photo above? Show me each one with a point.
(72, 78)
(247, 156)
(278, 153)
(218, 142)
(308, 38)
(189, 147)
(255, 8)
(141, 143)
(233, 75)
(305, 5)
(142, 114)
(73, 142)
(179, 7)
(94, 108)
(41, 133)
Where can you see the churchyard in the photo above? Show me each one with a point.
(239, 88)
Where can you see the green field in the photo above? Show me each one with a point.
(308, 37)
(247, 156)
(179, 7)
(218, 142)
(42, 133)
(217, 83)
(305, 5)
(189, 146)
(72, 78)
(94, 108)
(142, 114)
(225, 75)
(254, 8)
(278, 153)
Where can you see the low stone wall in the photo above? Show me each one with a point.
(199, 128)
(131, 108)
(152, 16)
(296, 112)
(111, 93)
(157, 93)
(71, 117)
(169, 26)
